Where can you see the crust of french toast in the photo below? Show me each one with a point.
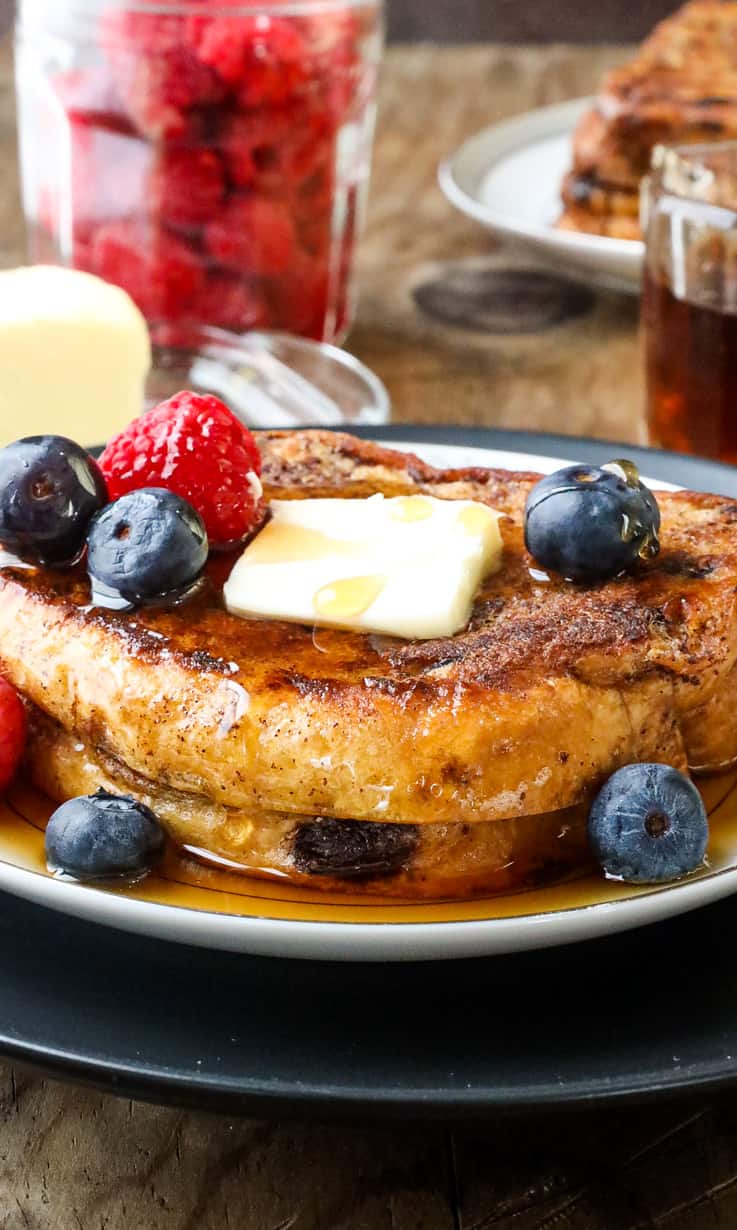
(550, 688)
(409, 861)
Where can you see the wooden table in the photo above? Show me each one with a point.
(76, 1160)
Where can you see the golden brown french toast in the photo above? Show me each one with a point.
(397, 860)
(680, 88)
(550, 688)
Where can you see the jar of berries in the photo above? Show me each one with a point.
(212, 158)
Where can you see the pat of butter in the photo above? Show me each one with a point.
(74, 355)
(407, 567)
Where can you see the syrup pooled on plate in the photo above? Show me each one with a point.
(190, 884)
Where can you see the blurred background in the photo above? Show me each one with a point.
(458, 21)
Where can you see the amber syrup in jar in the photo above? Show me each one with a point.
(691, 365)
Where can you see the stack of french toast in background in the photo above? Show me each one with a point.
(681, 87)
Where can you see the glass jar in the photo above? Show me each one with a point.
(211, 158)
(689, 306)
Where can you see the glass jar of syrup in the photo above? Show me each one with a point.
(210, 156)
(689, 311)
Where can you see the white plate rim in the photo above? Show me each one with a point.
(404, 941)
(506, 137)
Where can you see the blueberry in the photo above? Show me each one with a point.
(49, 491)
(102, 835)
(146, 547)
(355, 849)
(648, 825)
(591, 524)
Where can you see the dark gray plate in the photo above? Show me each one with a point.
(650, 1011)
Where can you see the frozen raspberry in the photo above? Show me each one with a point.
(263, 59)
(330, 33)
(160, 272)
(316, 233)
(252, 235)
(12, 732)
(333, 41)
(81, 251)
(251, 144)
(196, 447)
(230, 303)
(300, 299)
(156, 74)
(267, 150)
(187, 185)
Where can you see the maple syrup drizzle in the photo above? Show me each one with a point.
(475, 519)
(411, 508)
(205, 882)
(282, 542)
(349, 597)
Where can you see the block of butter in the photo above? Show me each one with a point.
(74, 355)
(408, 566)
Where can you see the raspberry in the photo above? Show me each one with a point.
(230, 303)
(187, 185)
(12, 732)
(156, 74)
(333, 42)
(252, 144)
(267, 150)
(253, 235)
(264, 59)
(300, 299)
(332, 33)
(316, 233)
(159, 272)
(196, 447)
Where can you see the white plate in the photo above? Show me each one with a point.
(458, 929)
(508, 177)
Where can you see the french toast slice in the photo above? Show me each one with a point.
(551, 687)
(608, 225)
(680, 88)
(387, 860)
(599, 198)
(599, 208)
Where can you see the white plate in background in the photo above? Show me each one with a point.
(508, 178)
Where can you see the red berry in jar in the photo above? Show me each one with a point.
(267, 150)
(160, 272)
(187, 185)
(157, 74)
(205, 145)
(252, 144)
(252, 235)
(300, 300)
(263, 59)
(230, 302)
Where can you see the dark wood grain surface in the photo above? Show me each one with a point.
(469, 21)
(459, 21)
(435, 321)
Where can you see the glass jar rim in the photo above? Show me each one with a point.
(694, 171)
(75, 18)
(245, 8)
